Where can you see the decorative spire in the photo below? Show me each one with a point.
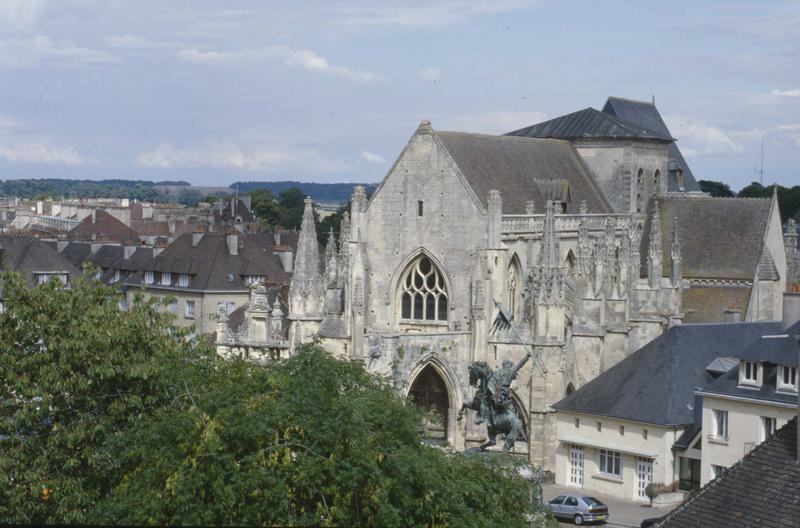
(675, 255)
(305, 292)
(654, 260)
(548, 275)
(331, 262)
(790, 247)
(584, 249)
(610, 262)
(583, 208)
(344, 232)
(330, 246)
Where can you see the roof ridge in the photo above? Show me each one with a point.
(629, 100)
(500, 136)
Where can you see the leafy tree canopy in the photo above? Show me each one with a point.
(717, 189)
(114, 417)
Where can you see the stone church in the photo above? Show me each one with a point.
(589, 228)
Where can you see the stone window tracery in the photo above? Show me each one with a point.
(423, 293)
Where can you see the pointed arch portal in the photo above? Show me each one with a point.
(429, 392)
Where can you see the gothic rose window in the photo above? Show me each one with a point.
(423, 294)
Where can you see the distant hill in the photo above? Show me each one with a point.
(320, 192)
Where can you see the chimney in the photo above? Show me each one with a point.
(791, 309)
(276, 235)
(732, 315)
(94, 216)
(232, 238)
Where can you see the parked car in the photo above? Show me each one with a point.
(579, 508)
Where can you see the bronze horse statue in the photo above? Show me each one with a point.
(493, 403)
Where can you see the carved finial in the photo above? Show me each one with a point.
(583, 208)
(425, 127)
(530, 207)
(654, 263)
(494, 200)
(330, 246)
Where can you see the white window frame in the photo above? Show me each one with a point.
(166, 278)
(787, 372)
(769, 425)
(149, 277)
(609, 462)
(187, 312)
(750, 373)
(230, 307)
(183, 279)
(717, 471)
(115, 277)
(720, 423)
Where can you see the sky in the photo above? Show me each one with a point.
(215, 91)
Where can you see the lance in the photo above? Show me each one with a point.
(502, 322)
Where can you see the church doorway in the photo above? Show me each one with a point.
(429, 392)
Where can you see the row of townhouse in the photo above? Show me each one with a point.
(683, 408)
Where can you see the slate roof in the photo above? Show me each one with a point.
(781, 349)
(76, 253)
(28, 255)
(762, 490)
(105, 227)
(678, 360)
(707, 304)
(590, 123)
(728, 385)
(210, 264)
(519, 167)
(720, 238)
(646, 114)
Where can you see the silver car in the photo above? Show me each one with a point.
(579, 508)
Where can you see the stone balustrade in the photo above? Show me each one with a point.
(521, 224)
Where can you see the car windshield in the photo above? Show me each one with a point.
(557, 500)
(591, 501)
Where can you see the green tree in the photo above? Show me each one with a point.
(755, 190)
(715, 188)
(292, 203)
(264, 205)
(75, 371)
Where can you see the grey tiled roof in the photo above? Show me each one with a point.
(105, 227)
(762, 490)
(27, 255)
(518, 167)
(707, 304)
(677, 360)
(720, 238)
(728, 385)
(781, 350)
(766, 267)
(646, 114)
(590, 123)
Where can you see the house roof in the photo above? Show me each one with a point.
(763, 489)
(522, 170)
(720, 238)
(728, 385)
(102, 226)
(781, 348)
(678, 360)
(646, 114)
(590, 123)
(707, 304)
(76, 253)
(28, 255)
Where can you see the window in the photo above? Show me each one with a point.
(148, 277)
(423, 294)
(166, 278)
(644, 434)
(173, 307)
(610, 462)
(717, 471)
(720, 423)
(115, 278)
(571, 501)
(622, 430)
(558, 500)
(599, 427)
(768, 426)
(183, 279)
(787, 377)
(253, 279)
(656, 180)
(189, 310)
(749, 373)
(419, 208)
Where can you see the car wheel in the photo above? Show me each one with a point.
(578, 519)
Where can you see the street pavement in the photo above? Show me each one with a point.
(621, 513)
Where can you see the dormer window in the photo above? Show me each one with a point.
(183, 279)
(148, 277)
(750, 373)
(166, 278)
(787, 378)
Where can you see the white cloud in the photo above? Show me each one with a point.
(427, 13)
(137, 42)
(42, 151)
(787, 93)
(11, 122)
(790, 127)
(697, 138)
(29, 52)
(372, 157)
(240, 153)
(296, 58)
(430, 73)
(496, 122)
(21, 15)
